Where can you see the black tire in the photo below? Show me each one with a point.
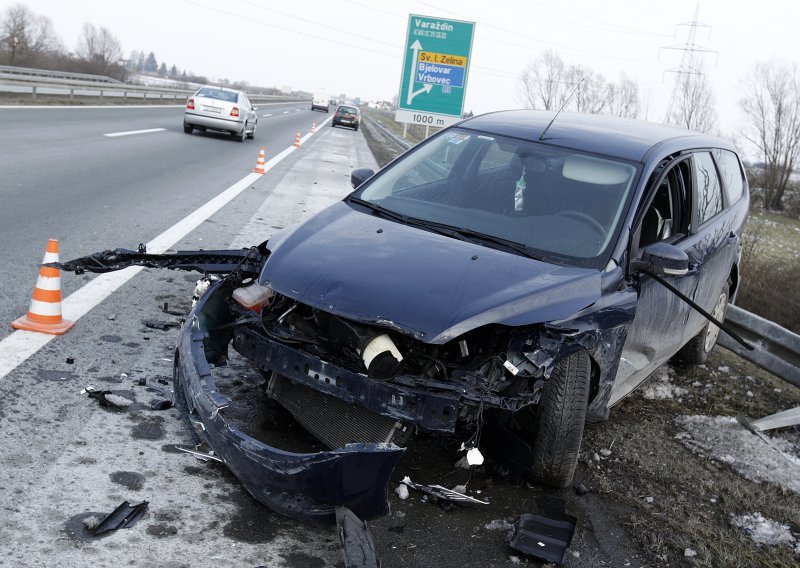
(559, 422)
(240, 136)
(698, 349)
(252, 135)
(355, 128)
(187, 128)
(333, 124)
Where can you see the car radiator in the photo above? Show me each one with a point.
(332, 421)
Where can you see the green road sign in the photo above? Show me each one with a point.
(435, 70)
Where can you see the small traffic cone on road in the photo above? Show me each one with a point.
(44, 314)
(313, 127)
(297, 140)
(259, 169)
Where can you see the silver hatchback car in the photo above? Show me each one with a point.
(225, 110)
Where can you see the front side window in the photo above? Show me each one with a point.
(559, 204)
(709, 192)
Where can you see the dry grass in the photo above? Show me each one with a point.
(647, 461)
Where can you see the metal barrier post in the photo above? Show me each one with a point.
(33, 93)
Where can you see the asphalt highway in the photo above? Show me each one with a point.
(62, 177)
(64, 458)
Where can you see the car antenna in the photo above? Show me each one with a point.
(541, 137)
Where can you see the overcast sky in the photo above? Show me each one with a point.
(356, 46)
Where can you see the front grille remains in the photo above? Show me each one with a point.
(334, 422)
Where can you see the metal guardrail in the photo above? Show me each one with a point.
(51, 74)
(776, 349)
(45, 82)
(399, 142)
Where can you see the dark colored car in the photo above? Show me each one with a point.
(502, 281)
(347, 115)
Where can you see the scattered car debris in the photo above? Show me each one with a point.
(358, 546)
(402, 491)
(107, 398)
(163, 325)
(142, 382)
(581, 489)
(542, 537)
(202, 456)
(689, 553)
(70, 360)
(122, 517)
(166, 310)
(165, 404)
(547, 535)
(442, 494)
(162, 380)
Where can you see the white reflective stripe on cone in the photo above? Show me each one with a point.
(48, 283)
(50, 257)
(45, 308)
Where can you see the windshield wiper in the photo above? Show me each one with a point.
(477, 236)
(382, 211)
(445, 230)
(460, 233)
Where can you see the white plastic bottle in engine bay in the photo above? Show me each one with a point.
(253, 297)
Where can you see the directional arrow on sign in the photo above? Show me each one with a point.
(416, 47)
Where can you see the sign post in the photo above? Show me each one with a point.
(435, 69)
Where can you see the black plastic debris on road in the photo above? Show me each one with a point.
(107, 398)
(442, 494)
(163, 325)
(547, 536)
(122, 517)
(358, 546)
(162, 405)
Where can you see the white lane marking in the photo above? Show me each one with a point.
(286, 112)
(129, 132)
(270, 114)
(18, 346)
(297, 110)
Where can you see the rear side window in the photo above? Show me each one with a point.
(709, 193)
(731, 173)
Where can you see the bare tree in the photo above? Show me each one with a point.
(548, 83)
(99, 48)
(692, 105)
(543, 84)
(623, 98)
(772, 107)
(590, 90)
(25, 38)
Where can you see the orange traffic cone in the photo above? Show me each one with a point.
(259, 169)
(297, 140)
(44, 314)
(313, 127)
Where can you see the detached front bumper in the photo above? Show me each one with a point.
(306, 487)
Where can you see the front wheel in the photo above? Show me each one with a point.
(559, 421)
(696, 352)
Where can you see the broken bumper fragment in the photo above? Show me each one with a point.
(303, 486)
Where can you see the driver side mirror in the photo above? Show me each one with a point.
(360, 175)
(662, 259)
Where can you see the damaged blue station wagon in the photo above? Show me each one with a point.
(514, 272)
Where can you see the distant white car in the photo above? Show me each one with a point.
(320, 102)
(224, 110)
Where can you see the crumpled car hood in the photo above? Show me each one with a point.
(434, 287)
